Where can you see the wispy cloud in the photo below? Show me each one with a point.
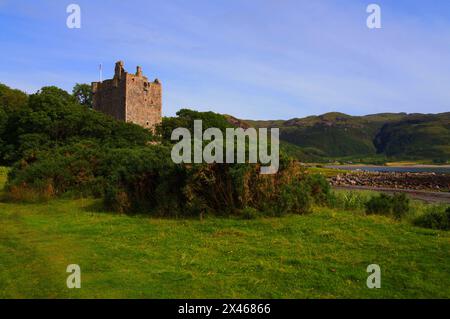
(253, 59)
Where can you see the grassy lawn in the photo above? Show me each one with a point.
(324, 255)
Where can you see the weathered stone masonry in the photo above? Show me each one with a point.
(129, 97)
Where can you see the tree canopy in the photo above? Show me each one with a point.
(83, 94)
(53, 117)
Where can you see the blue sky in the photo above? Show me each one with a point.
(258, 59)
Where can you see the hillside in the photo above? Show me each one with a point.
(337, 135)
(415, 136)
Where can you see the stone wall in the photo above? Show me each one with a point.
(109, 98)
(143, 101)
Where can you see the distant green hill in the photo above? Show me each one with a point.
(416, 136)
(337, 135)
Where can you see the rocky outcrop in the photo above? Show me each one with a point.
(413, 181)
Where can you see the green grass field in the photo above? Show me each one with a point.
(322, 255)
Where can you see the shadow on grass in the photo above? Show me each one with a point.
(97, 206)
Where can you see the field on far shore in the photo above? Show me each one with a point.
(321, 255)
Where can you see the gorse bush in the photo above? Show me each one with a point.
(434, 219)
(396, 205)
(218, 189)
(202, 189)
(319, 188)
(46, 174)
(145, 180)
(400, 205)
(294, 198)
(228, 188)
(379, 205)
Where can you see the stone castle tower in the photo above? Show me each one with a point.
(129, 97)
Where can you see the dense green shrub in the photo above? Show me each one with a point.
(225, 189)
(379, 205)
(295, 198)
(319, 188)
(400, 205)
(46, 174)
(434, 219)
(396, 206)
(145, 180)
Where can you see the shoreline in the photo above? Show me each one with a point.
(389, 166)
(409, 181)
(426, 196)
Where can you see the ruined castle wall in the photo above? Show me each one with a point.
(110, 97)
(129, 97)
(143, 101)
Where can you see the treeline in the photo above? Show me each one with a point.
(53, 118)
(59, 147)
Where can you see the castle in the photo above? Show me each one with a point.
(129, 97)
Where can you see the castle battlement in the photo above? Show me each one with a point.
(129, 97)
